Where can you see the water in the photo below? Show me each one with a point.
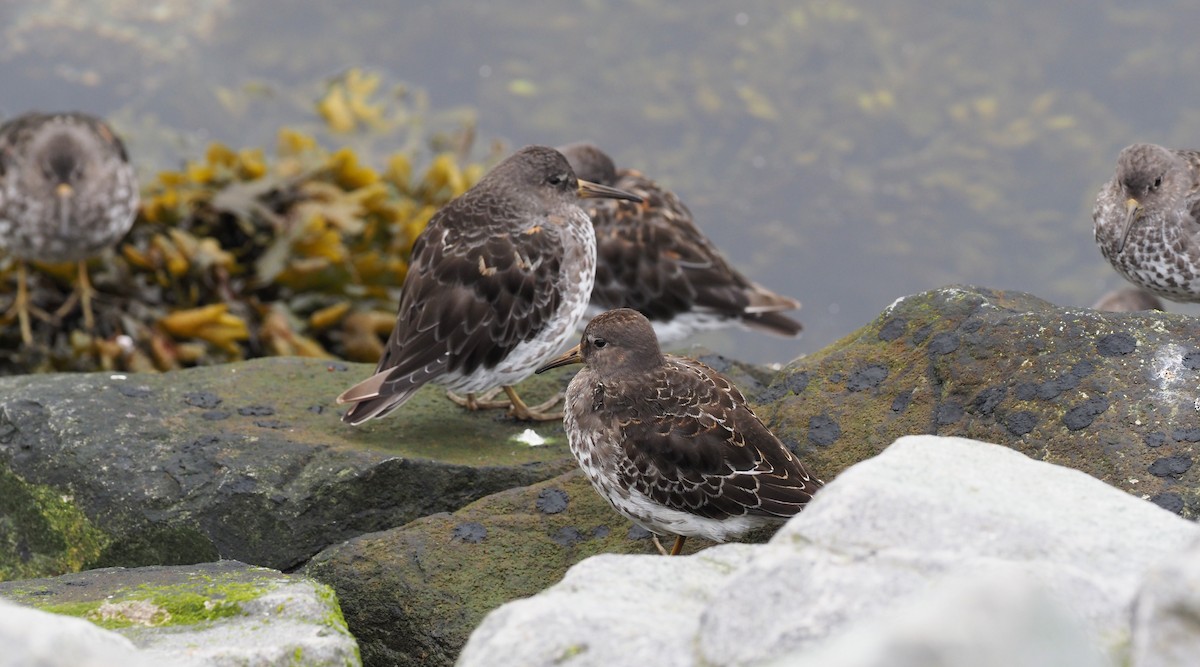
(839, 152)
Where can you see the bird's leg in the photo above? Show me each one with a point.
(521, 411)
(83, 293)
(482, 402)
(658, 545)
(22, 307)
(678, 545)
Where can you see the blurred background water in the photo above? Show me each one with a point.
(842, 152)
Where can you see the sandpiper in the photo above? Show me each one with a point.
(670, 442)
(1146, 220)
(651, 257)
(497, 284)
(67, 192)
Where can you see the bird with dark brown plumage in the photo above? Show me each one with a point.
(670, 442)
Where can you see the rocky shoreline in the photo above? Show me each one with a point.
(425, 522)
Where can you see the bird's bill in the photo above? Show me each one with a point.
(1132, 208)
(64, 190)
(590, 190)
(571, 356)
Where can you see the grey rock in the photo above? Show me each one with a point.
(994, 618)
(872, 542)
(33, 638)
(1166, 622)
(212, 614)
(107, 469)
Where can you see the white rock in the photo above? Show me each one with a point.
(33, 638)
(875, 540)
(1166, 624)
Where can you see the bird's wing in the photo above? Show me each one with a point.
(699, 449)
(651, 257)
(471, 295)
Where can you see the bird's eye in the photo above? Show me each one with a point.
(557, 179)
(599, 342)
(1157, 183)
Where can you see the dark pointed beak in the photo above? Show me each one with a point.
(590, 190)
(1133, 209)
(571, 356)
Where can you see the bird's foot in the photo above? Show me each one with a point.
(482, 402)
(22, 307)
(537, 413)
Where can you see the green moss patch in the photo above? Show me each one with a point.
(183, 604)
(42, 531)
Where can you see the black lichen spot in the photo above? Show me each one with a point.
(921, 334)
(1026, 391)
(867, 378)
(133, 392)
(471, 532)
(902, 401)
(986, 401)
(214, 415)
(971, 326)
(1186, 434)
(823, 430)
(1083, 369)
(1082, 416)
(336, 366)
(1155, 439)
(1191, 361)
(1171, 466)
(948, 413)
(552, 501)
(636, 532)
(206, 441)
(893, 329)
(256, 411)
(317, 409)
(717, 362)
(202, 399)
(568, 536)
(944, 343)
(1168, 501)
(601, 532)
(1116, 345)
(270, 423)
(793, 382)
(1021, 422)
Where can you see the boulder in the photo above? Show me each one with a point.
(876, 540)
(34, 638)
(247, 461)
(412, 595)
(223, 613)
(1166, 622)
(1111, 394)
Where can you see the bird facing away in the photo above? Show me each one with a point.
(1146, 220)
(670, 442)
(497, 283)
(651, 257)
(67, 192)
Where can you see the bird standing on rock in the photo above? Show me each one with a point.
(498, 282)
(651, 257)
(670, 442)
(67, 192)
(1146, 220)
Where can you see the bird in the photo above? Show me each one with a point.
(497, 284)
(651, 257)
(1146, 220)
(670, 443)
(1127, 300)
(67, 192)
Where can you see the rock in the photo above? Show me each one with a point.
(246, 461)
(872, 542)
(1001, 618)
(221, 613)
(1165, 628)
(1111, 394)
(33, 638)
(412, 595)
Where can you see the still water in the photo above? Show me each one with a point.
(845, 153)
